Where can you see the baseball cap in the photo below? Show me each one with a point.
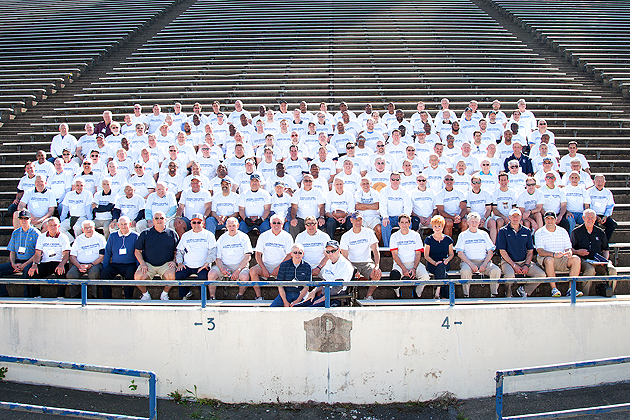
(550, 214)
(332, 244)
(255, 176)
(356, 215)
(278, 183)
(23, 214)
(515, 211)
(197, 216)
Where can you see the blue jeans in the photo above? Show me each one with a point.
(212, 225)
(574, 221)
(265, 226)
(187, 272)
(292, 294)
(387, 230)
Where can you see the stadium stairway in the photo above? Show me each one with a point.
(357, 52)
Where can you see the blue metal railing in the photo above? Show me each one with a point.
(89, 368)
(555, 368)
(325, 284)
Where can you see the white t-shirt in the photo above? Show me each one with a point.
(87, 249)
(274, 247)
(451, 200)
(79, 205)
(370, 197)
(196, 247)
(407, 245)
(129, 207)
(344, 201)
(308, 202)
(504, 200)
(478, 202)
(423, 202)
(232, 249)
(553, 198)
(225, 205)
(254, 202)
(156, 203)
(358, 244)
(52, 248)
(194, 202)
(527, 201)
(38, 203)
(314, 246)
(576, 198)
(475, 245)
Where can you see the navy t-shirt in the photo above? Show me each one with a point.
(438, 250)
(157, 248)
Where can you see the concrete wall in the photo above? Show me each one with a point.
(259, 355)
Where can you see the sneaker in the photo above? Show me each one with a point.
(188, 296)
(397, 292)
(577, 293)
(164, 296)
(212, 298)
(145, 296)
(260, 298)
(239, 297)
(555, 292)
(521, 292)
(494, 295)
(369, 298)
(418, 291)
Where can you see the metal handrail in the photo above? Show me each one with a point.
(555, 368)
(89, 368)
(326, 284)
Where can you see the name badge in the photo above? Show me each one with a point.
(22, 250)
(122, 251)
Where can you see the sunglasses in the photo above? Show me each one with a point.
(195, 223)
(297, 253)
(331, 251)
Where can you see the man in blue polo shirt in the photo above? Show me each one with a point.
(21, 250)
(516, 246)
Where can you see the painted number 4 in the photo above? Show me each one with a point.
(446, 324)
(211, 325)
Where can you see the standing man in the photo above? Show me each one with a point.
(516, 247)
(155, 252)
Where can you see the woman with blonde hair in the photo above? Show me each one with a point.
(438, 252)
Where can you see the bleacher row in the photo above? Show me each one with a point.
(592, 35)
(53, 42)
(358, 52)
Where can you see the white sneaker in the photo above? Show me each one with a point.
(164, 296)
(521, 292)
(260, 298)
(397, 292)
(145, 296)
(369, 298)
(189, 296)
(555, 292)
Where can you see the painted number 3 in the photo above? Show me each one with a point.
(211, 324)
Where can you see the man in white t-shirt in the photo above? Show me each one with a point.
(406, 248)
(367, 202)
(193, 200)
(224, 206)
(52, 252)
(196, 251)
(307, 201)
(356, 246)
(254, 207)
(475, 250)
(39, 201)
(86, 257)
(339, 204)
(314, 242)
(234, 251)
(77, 207)
(273, 247)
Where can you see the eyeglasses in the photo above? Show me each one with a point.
(331, 251)
(550, 177)
(195, 223)
(422, 180)
(158, 218)
(380, 145)
(485, 164)
(293, 135)
(310, 224)
(276, 223)
(349, 147)
(396, 180)
(476, 182)
(297, 253)
(449, 179)
(87, 164)
(531, 185)
(308, 180)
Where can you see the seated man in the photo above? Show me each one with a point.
(314, 242)
(128, 204)
(119, 257)
(193, 200)
(406, 248)
(356, 245)
(86, 257)
(475, 249)
(21, 251)
(307, 201)
(254, 207)
(161, 200)
(155, 252)
(516, 247)
(553, 246)
(103, 206)
(293, 269)
(234, 251)
(39, 201)
(603, 203)
(339, 204)
(337, 268)
(273, 247)
(587, 241)
(77, 207)
(196, 251)
(51, 256)
(224, 205)
(451, 205)
(393, 202)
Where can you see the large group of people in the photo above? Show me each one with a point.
(176, 195)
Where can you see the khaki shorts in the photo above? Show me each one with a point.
(364, 268)
(159, 270)
(559, 264)
(231, 267)
(371, 222)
